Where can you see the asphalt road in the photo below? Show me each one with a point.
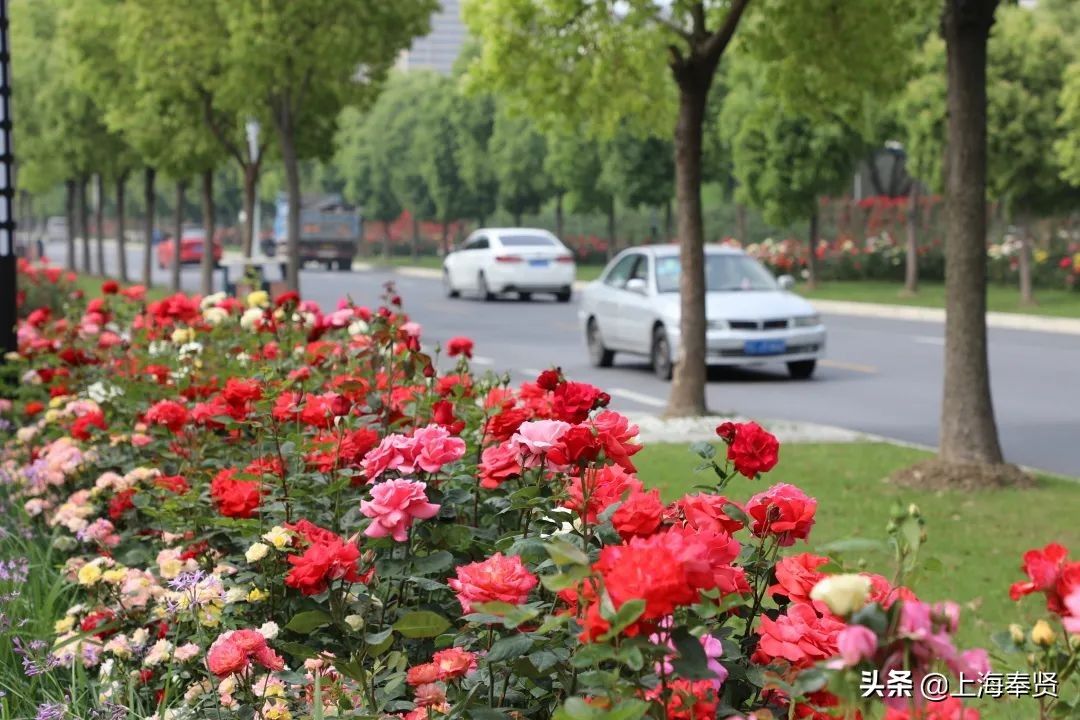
(881, 376)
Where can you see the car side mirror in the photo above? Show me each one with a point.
(636, 285)
(786, 282)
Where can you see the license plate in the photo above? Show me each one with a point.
(539, 263)
(765, 347)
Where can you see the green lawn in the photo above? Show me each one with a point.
(1000, 298)
(977, 537)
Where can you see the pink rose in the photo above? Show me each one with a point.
(394, 452)
(856, 643)
(782, 510)
(497, 579)
(436, 447)
(1072, 605)
(394, 505)
(536, 438)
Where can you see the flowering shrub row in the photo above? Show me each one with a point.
(270, 511)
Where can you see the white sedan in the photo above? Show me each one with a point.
(493, 261)
(752, 318)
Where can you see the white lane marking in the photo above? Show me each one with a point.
(929, 340)
(481, 360)
(639, 398)
(853, 367)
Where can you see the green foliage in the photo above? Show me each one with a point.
(1067, 146)
(517, 152)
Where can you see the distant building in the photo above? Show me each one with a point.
(440, 48)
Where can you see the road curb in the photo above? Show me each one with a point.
(1008, 321)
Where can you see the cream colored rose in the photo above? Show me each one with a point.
(256, 552)
(843, 594)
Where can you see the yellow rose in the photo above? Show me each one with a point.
(843, 594)
(181, 336)
(1017, 633)
(256, 595)
(51, 416)
(64, 625)
(256, 552)
(114, 576)
(58, 401)
(278, 536)
(1043, 634)
(259, 298)
(1041, 256)
(89, 574)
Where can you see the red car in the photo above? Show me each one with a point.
(192, 243)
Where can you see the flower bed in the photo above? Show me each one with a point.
(265, 510)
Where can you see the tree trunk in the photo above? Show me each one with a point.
(612, 230)
(517, 219)
(811, 255)
(121, 241)
(84, 225)
(911, 261)
(740, 224)
(687, 397)
(99, 222)
(414, 247)
(286, 136)
(251, 181)
(559, 219)
(206, 277)
(178, 232)
(968, 430)
(150, 200)
(70, 201)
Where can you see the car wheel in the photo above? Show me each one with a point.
(801, 369)
(598, 354)
(448, 288)
(485, 292)
(661, 354)
(563, 295)
(524, 296)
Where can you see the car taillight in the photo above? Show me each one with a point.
(565, 259)
(507, 258)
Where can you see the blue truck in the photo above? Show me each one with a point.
(330, 231)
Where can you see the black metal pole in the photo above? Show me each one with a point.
(7, 194)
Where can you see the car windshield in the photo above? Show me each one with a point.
(723, 272)
(526, 241)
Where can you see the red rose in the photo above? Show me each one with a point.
(639, 514)
(500, 578)
(573, 401)
(1050, 573)
(577, 446)
(110, 287)
(726, 431)
(603, 487)
(442, 413)
(797, 575)
(498, 464)
(550, 379)
(646, 569)
(618, 437)
(225, 658)
(241, 392)
(80, 429)
(687, 699)
(784, 511)
(422, 674)
(286, 298)
(706, 512)
(168, 413)
(503, 425)
(754, 450)
(173, 483)
(235, 498)
(121, 503)
(327, 559)
(95, 620)
(453, 663)
(459, 346)
(32, 408)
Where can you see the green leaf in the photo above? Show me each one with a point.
(297, 649)
(308, 621)
(623, 618)
(692, 662)
(508, 648)
(570, 578)
(421, 624)
(704, 450)
(627, 710)
(378, 637)
(433, 563)
(735, 512)
(810, 680)
(484, 713)
(563, 553)
(576, 708)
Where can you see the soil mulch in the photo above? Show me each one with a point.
(936, 474)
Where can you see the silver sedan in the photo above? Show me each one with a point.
(753, 318)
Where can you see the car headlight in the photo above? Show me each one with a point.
(807, 321)
(718, 325)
